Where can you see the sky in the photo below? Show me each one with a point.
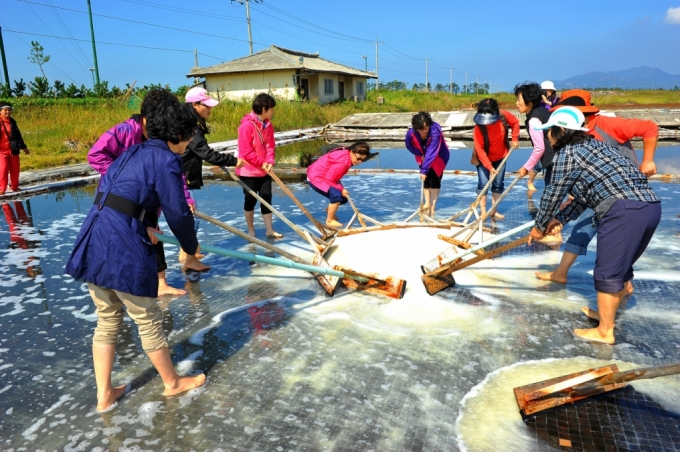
(499, 41)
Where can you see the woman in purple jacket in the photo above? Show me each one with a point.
(117, 140)
(425, 140)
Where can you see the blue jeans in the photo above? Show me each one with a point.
(581, 235)
(498, 184)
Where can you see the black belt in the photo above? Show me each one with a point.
(122, 205)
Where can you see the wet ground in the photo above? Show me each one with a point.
(291, 369)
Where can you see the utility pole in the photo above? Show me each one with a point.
(451, 80)
(377, 80)
(427, 83)
(365, 63)
(250, 34)
(4, 61)
(195, 57)
(94, 47)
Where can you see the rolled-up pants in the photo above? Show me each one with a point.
(143, 310)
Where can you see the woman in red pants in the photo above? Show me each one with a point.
(11, 145)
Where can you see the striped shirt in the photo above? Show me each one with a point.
(592, 172)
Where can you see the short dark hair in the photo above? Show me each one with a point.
(171, 121)
(5, 104)
(531, 93)
(564, 137)
(263, 102)
(153, 99)
(488, 106)
(361, 148)
(421, 119)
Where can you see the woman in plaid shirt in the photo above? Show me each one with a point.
(626, 208)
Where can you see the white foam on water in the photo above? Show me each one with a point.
(185, 366)
(92, 317)
(62, 400)
(147, 411)
(492, 403)
(29, 433)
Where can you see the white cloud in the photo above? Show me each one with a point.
(673, 15)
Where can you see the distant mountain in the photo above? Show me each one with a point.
(643, 77)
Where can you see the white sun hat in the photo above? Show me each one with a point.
(548, 85)
(566, 117)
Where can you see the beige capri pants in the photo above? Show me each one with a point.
(143, 310)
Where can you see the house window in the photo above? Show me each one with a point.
(360, 87)
(328, 86)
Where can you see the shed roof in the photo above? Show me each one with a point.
(277, 58)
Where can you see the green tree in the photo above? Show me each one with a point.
(40, 87)
(5, 91)
(37, 56)
(19, 88)
(59, 88)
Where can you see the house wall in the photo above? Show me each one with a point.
(246, 85)
(240, 86)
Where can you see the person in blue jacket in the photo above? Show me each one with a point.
(114, 252)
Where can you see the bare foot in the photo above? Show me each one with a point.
(550, 276)
(531, 187)
(593, 334)
(193, 264)
(165, 289)
(184, 384)
(251, 232)
(182, 255)
(274, 235)
(591, 313)
(107, 402)
(497, 216)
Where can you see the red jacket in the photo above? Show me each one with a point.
(5, 125)
(329, 169)
(255, 145)
(497, 133)
(622, 129)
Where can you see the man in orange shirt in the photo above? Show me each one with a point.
(614, 131)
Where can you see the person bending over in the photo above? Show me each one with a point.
(425, 140)
(491, 145)
(627, 211)
(324, 176)
(616, 132)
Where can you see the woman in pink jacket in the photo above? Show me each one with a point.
(256, 150)
(324, 176)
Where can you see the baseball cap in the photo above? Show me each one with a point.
(548, 85)
(566, 117)
(198, 94)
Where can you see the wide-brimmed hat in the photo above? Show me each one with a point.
(548, 85)
(578, 98)
(198, 94)
(485, 119)
(566, 117)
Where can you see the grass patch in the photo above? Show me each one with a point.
(61, 131)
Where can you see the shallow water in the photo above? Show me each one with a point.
(289, 368)
(667, 159)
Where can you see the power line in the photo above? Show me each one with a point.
(50, 62)
(194, 32)
(287, 14)
(66, 28)
(48, 28)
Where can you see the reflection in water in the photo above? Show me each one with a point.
(21, 234)
(289, 368)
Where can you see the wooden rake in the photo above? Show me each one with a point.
(536, 397)
(326, 232)
(324, 243)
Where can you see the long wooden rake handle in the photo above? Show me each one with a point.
(304, 210)
(278, 214)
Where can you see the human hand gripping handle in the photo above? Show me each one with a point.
(554, 227)
(648, 168)
(267, 166)
(152, 234)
